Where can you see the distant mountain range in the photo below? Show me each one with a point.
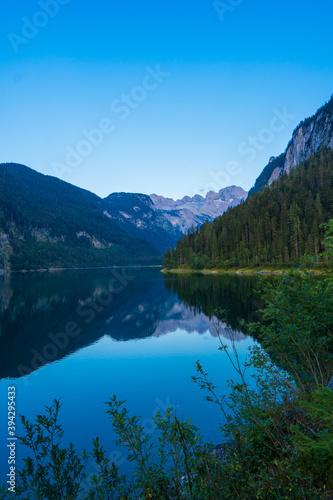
(48, 223)
(137, 215)
(191, 212)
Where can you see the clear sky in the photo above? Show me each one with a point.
(173, 98)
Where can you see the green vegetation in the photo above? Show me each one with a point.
(277, 427)
(276, 227)
(277, 424)
(45, 222)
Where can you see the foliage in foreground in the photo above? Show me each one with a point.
(277, 430)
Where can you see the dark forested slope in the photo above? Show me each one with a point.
(45, 222)
(277, 226)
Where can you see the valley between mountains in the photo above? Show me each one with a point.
(47, 223)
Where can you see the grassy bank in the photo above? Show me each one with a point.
(238, 271)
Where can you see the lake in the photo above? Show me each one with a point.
(86, 335)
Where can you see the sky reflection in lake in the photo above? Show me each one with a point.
(142, 348)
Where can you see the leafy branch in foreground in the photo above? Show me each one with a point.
(53, 470)
(297, 327)
(57, 473)
(278, 436)
(178, 466)
(279, 415)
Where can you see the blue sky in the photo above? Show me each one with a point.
(172, 98)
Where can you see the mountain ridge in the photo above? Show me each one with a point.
(137, 214)
(284, 216)
(310, 136)
(189, 211)
(48, 223)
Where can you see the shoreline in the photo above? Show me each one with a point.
(237, 271)
(57, 269)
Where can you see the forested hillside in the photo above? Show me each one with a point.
(275, 227)
(45, 222)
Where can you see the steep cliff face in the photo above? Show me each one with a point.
(310, 136)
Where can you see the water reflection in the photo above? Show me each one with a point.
(45, 317)
(232, 293)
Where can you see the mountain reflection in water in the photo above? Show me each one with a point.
(46, 316)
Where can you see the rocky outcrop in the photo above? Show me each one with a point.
(188, 212)
(137, 215)
(184, 219)
(5, 252)
(311, 135)
(310, 138)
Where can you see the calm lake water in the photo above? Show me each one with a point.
(84, 336)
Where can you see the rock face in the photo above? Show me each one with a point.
(5, 252)
(311, 135)
(162, 221)
(137, 215)
(188, 212)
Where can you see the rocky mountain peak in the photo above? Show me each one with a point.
(194, 211)
(311, 135)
